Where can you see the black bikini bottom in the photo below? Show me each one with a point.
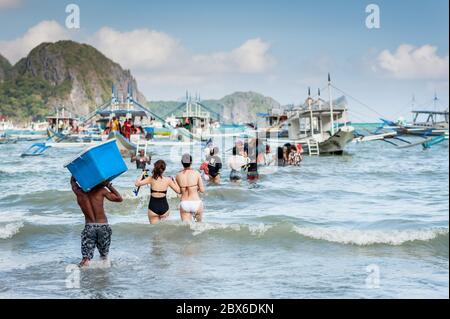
(159, 206)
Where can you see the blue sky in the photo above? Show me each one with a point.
(277, 48)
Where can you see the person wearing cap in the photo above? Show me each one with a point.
(191, 183)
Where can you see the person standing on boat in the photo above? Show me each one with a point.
(97, 232)
(127, 129)
(115, 125)
(191, 183)
(60, 126)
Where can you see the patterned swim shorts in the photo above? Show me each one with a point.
(95, 235)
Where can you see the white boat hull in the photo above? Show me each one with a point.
(333, 145)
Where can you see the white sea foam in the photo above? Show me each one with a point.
(256, 230)
(98, 264)
(369, 237)
(9, 230)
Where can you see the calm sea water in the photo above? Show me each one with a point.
(370, 224)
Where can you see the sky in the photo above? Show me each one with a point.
(277, 48)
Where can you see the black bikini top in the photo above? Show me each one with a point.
(158, 192)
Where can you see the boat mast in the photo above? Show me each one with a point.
(320, 117)
(187, 103)
(435, 119)
(331, 105)
(311, 123)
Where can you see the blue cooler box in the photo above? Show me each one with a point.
(97, 164)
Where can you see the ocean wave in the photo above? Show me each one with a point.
(9, 230)
(280, 231)
(370, 237)
(273, 232)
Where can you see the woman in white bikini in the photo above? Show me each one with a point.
(191, 184)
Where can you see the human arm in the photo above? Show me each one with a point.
(141, 181)
(112, 194)
(201, 186)
(174, 185)
(75, 188)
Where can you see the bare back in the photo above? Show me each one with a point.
(92, 203)
(97, 198)
(190, 183)
(160, 185)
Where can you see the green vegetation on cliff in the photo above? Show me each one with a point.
(63, 73)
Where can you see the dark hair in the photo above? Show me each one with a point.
(293, 148)
(235, 150)
(214, 151)
(159, 168)
(280, 152)
(187, 165)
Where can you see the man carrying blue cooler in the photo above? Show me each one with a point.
(97, 232)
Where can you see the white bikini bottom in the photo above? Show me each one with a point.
(191, 206)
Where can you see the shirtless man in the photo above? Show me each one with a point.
(97, 232)
(191, 184)
(141, 160)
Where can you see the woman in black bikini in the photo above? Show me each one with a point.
(158, 208)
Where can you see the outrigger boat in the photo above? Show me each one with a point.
(196, 123)
(399, 140)
(60, 135)
(140, 115)
(5, 139)
(37, 149)
(321, 127)
(425, 123)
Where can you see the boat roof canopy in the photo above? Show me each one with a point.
(122, 113)
(431, 112)
(316, 111)
(64, 118)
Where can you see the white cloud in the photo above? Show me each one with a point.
(251, 57)
(45, 31)
(8, 4)
(141, 48)
(158, 60)
(150, 50)
(410, 62)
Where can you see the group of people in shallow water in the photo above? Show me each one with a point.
(246, 158)
(188, 183)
